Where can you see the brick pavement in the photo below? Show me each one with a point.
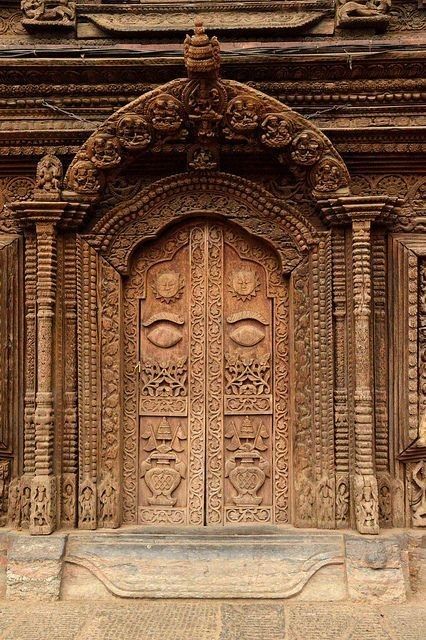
(210, 620)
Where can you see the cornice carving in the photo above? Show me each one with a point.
(221, 18)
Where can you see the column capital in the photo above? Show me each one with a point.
(67, 215)
(347, 209)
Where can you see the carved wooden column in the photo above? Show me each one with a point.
(43, 485)
(41, 215)
(365, 482)
(361, 212)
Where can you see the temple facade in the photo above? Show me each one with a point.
(213, 298)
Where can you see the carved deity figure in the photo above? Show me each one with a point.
(14, 508)
(306, 148)
(87, 506)
(133, 131)
(276, 130)
(68, 503)
(243, 113)
(202, 160)
(366, 501)
(40, 514)
(166, 114)
(328, 176)
(4, 477)
(418, 499)
(104, 151)
(26, 506)
(342, 502)
(49, 176)
(108, 504)
(84, 177)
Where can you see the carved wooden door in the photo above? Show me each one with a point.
(213, 358)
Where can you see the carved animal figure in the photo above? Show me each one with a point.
(363, 8)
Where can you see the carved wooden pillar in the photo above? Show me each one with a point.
(43, 485)
(341, 421)
(361, 212)
(30, 375)
(365, 482)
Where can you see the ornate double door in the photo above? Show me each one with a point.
(213, 406)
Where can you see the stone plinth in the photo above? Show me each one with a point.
(34, 567)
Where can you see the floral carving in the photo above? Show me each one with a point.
(164, 379)
(163, 469)
(247, 375)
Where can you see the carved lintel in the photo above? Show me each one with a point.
(87, 518)
(43, 505)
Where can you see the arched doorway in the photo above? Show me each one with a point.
(206, 319)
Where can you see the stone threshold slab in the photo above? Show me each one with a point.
(205, 564)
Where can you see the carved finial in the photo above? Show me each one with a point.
(201, 53)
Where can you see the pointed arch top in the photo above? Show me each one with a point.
(200, 116)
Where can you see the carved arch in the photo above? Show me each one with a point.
(200, 117)
(117, 234)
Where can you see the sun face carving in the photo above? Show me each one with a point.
(168, 286)
(244, 284)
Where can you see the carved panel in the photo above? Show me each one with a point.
(111, 393)
(9, 340)
(88, 382)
